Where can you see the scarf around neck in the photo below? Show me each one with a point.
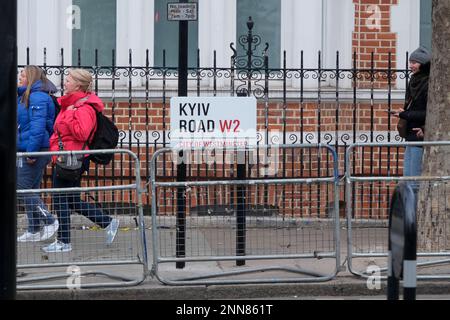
(417, 84)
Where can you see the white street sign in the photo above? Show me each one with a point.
(212, 122)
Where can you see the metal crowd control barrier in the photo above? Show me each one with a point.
(276, 222)
(368, 199)
(124, 260)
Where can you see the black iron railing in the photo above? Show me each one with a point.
(335, 106)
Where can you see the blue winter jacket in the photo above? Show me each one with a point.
(35, 123)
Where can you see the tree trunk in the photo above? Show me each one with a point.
(434, 198)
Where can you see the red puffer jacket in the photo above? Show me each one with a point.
(75, 126)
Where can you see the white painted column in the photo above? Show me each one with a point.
(129, 35)
(229, 33)
(305, 35)
(405, 21)
(65, 28)
(45, 31)
(287, 40)
(43, 25)
(27, 21)
(224, 24)
(122, 32)
(148, 28)
(340, 25)
(204, 32)
(205, 41)
(217, 29)
(23, 30)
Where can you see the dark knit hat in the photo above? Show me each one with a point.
(420, 55)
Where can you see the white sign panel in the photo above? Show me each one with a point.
(197, 122)
(182, 11)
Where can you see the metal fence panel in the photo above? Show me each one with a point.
(287, 218)
(88, 239)
(368, 201)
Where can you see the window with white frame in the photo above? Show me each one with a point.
(266, 15)
(324, 26)
(425, 23)
(166, 37)
(95, 29)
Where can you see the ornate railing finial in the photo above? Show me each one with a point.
(248, 64)
(250, 23)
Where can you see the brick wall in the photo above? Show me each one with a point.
(373, 39)
(291, 200)
(299, 117)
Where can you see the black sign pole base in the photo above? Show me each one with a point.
(240, 213)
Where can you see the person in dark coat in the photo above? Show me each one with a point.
(415, 109)
(35, 117)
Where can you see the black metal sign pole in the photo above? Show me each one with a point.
(181, 168)
(8, 93)
(241, 192)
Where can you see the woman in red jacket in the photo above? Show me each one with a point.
(73, 127)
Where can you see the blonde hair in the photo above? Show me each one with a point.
(33, 74)
(83, 78)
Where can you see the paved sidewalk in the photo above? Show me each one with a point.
(151, 289)
(203, 243)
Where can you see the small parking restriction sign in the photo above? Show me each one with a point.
(182, 11)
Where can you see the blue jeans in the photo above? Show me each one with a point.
(29, 176)
(412, 165)
(63, 203)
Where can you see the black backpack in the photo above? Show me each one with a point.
(105, 137)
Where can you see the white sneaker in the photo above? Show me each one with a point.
(49, 230)
(57, 246)
(111, 230)
(29, 237)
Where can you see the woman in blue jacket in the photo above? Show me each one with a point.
(35, 117)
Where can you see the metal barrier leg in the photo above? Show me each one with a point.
(181, 215)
